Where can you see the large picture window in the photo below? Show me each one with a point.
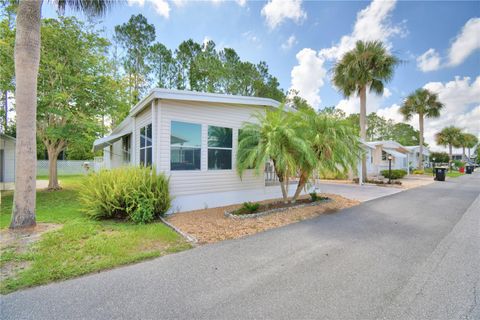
(146, 145)
(185, 146)
(219, 148)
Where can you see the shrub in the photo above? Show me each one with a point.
(428, 170)
(418, 171)
(131, 193)
(313, 196)
(395, 174)
(248, 208)
(458, 163)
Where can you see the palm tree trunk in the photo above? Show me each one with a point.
(301, 183)
(464, 155)
(281, 180)
(5, 107)
(420, 156)
(363, 127)
(27, 58)
(450, 157)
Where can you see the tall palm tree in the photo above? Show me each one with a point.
(27, 58)
(449, 136)
(273, 137)
(468, 141)
(332, 140)
(367, 67)
(424, 103)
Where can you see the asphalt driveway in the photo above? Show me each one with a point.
(411, 255)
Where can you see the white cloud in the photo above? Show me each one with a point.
(277, 11)
(386, 93)
(241, 3)
(373, 23)
(136, 2)
(289, 43)
(250, 36)
(162, 8)
(179, 3)
(352, 104)
(465, 43)
(307, 76)
(429, 61)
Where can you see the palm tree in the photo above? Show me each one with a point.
(468, 141)
(273, 137)
(333, 141)
(449, 136)
(27, 58)
(426, 105)
(367, 67)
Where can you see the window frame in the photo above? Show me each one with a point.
(220, 148)
(127, 148)
(148, 129)
(193, 148)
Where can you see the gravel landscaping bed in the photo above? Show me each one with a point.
(211, 225)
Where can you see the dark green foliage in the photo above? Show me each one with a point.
(131, 193)
(313, 196)
(248, 208)
(440, 157)
(395, 174)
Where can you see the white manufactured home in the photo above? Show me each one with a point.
(7, 162)
(378, 153)
(192, 137)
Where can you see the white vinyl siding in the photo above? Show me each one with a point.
(141, 120)
(204, 113)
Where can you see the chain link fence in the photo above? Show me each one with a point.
(66, 167)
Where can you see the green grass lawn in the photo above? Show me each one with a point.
(81, 246)
(454, 174)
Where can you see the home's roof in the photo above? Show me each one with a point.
(388, 144)
(186, 95)
(4, 136)
(394, 153)
(415, 148)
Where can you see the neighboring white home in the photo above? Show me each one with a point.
(414, 156)
(7, 162)
(192, 137)
(377, 156)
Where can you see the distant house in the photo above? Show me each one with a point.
(7, 162)
(414, 156)
(192, 137)
(377, 156)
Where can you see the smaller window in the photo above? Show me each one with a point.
(146, 146)
(384, 155)
(185, 146)
(219, 148)
(126, 148)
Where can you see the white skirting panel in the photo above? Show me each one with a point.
(219, 199)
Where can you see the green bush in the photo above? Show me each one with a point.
(418, 171)
(458, 163)
(251, 207)
(396, 174)
(428, 170)
(313, 196)
(131, 193)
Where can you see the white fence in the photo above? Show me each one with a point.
(65, 167)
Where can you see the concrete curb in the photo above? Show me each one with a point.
(188, 237)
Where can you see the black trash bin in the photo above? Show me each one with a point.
(440, 174)
(469, 169)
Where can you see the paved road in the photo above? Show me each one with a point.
(411, 255)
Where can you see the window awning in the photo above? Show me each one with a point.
(395, 153)
(108, 140)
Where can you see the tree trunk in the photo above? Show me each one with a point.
(464, 155)
(52, 168)
(27, 58)
(363, 127)
(449, 157)
(420, 156)
(301, 183)
(281, 180)
(5, 107)
(468, 154)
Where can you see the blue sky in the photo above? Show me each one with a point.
(301, 40)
